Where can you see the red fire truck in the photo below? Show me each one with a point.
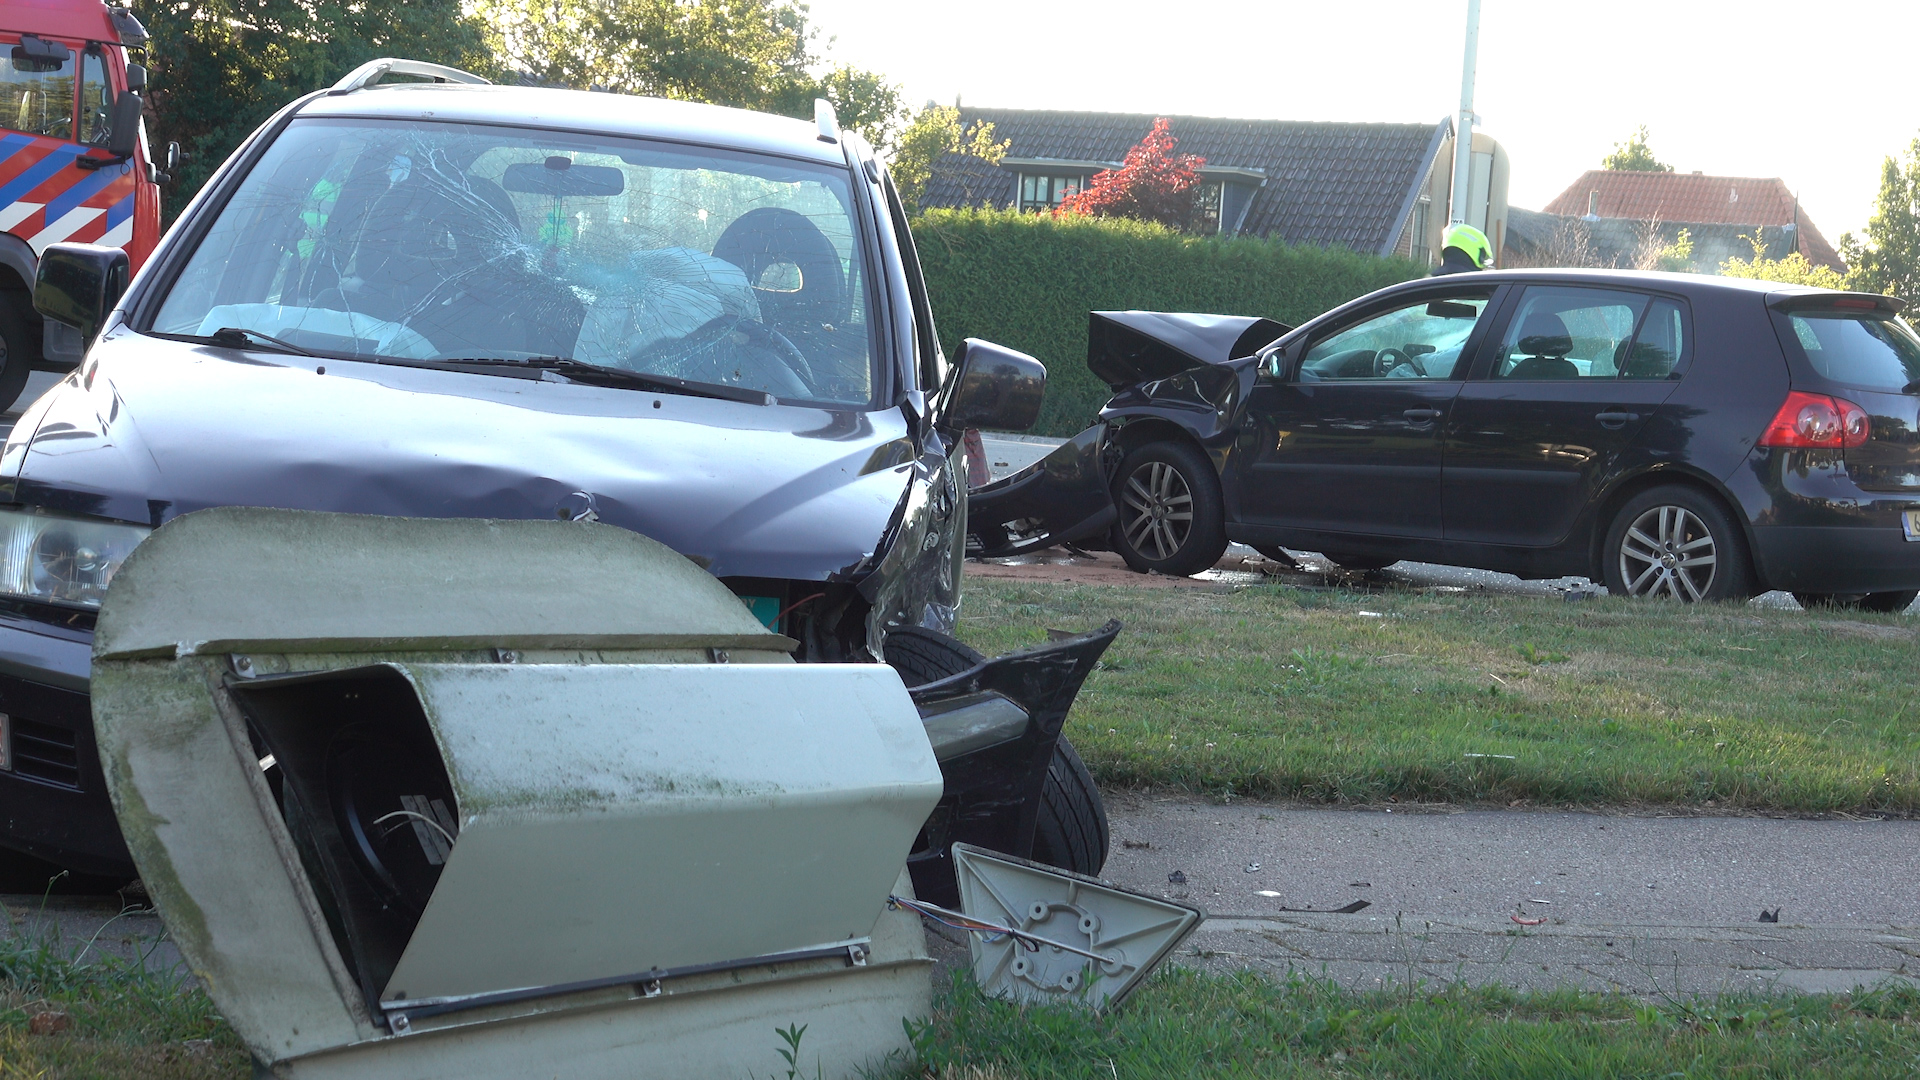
(74, 163)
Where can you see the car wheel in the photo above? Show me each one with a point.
(1890, 602)
(1071, 829)
(18, 349)
(1168, 497)
(1675, 543)
(1347, 561)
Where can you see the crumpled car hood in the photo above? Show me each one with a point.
(149, 429)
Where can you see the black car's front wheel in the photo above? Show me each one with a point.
(1071, 829)
(1675, 543)
(1171, 517)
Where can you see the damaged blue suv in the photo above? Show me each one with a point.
(441, 298)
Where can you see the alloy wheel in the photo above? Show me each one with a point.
(1159, 510)
(1668, 551)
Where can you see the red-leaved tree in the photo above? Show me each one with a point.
(1153, 184)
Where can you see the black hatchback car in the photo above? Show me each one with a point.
(1676, 436)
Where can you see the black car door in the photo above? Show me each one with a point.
(1346, 436)
(1538, 429)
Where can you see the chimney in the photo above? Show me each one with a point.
(1593, 205)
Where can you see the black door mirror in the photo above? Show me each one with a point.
(78, 284)
(994, 387)
(136, 76)
(175, 157)
(40, 55)
(123, 132)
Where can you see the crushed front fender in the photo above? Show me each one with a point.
(993, 793)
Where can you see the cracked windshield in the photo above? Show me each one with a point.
(446, 242)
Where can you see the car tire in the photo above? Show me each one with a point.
(1171, 514)
(19, 348)
(1071, 829)
(1676, 542)
(1890, 602)
(1348, 561)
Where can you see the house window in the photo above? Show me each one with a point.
(1206, 217)
(1039, 193)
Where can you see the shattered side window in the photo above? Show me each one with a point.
(464, 241)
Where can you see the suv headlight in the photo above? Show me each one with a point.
(62, 560)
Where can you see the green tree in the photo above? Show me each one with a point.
(1795, 269)
(935, 132)
(1634, 155)
(1887, 259)
(750, 54)
(221, 67)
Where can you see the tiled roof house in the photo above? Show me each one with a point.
(1708, 205)
(1375, 188)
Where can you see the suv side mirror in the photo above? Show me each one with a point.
(123, 130)
(78, 284)
(1273, 365)
(994, 387)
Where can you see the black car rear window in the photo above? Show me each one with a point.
(1859, 348)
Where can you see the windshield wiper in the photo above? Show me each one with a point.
(606, 375)
(239, 337)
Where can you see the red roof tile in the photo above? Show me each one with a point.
(1692, 197)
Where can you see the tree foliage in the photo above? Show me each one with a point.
(221, 67)
(1795, 269)
(934, 133)
(1887, 259)
(1154, 183)
(750, 54)
(1634, 155)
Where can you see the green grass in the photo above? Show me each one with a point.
(1342, 696)
(1187, 1024)
(131, 1021)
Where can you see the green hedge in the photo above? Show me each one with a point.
(1027, 282)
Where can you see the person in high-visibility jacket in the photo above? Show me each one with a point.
(1463, 248)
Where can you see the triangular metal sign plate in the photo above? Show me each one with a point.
(1131, 932)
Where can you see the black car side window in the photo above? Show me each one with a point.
(1660, 344)
(1419, 341)
(1558, 332)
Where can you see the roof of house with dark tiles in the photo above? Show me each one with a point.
(1727, 200)
(1326, 183)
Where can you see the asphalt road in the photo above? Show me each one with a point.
(1641, 904)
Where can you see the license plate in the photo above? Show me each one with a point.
(1911, 521)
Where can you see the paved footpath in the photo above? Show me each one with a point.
(1646, 905)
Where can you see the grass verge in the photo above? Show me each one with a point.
(124, 1018)
(1344, 696)
(1188, 1024)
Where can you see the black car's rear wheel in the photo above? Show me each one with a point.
(1895, 601)
(18, 349)
(1171, 516)
(1675, 543)
(1071, 831)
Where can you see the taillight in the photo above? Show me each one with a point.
(1817, 422)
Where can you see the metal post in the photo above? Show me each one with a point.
(1463, 127)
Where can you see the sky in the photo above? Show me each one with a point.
(1733, 88)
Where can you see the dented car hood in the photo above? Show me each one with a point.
(149, 429)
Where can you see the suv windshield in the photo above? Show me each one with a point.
(440, 241)
(1860, 350)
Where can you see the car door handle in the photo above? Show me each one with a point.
(1615, 419)
(1418, 415)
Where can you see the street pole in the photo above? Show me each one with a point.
(1463, 127)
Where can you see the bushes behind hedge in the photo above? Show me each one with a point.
(1027, 282)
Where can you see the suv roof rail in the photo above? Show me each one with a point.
(826, 120)
(373, 71)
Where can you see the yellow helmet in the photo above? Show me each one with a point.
(1470, 240)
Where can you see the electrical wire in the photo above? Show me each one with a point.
(961, 921)
(430, 823)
